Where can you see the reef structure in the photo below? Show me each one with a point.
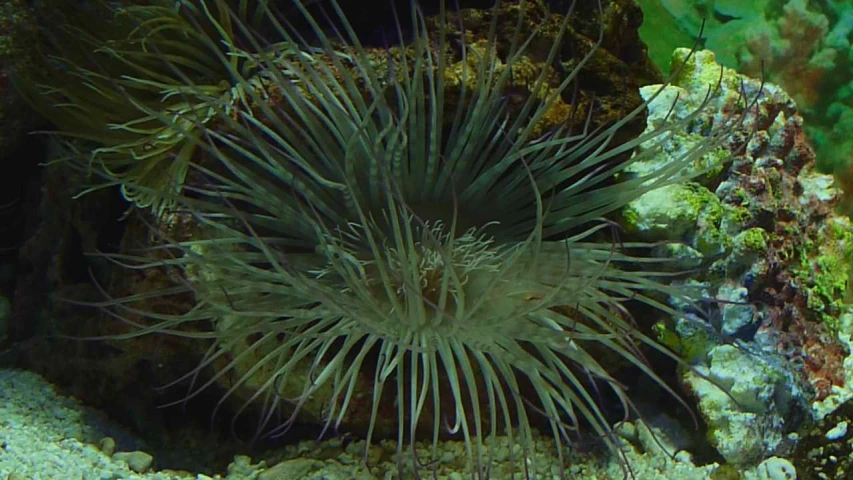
(774, 256)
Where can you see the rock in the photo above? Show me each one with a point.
(297, 468)
(107, 445)
(825, 451)
(139, 462)
(736, 311)
(739, 395)
(775, 468)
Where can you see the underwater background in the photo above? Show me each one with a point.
(228, 248)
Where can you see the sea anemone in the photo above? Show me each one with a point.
(393, 228)
(104, 85)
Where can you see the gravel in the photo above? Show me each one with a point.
(45, 436)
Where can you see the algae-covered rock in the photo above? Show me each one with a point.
(736, 313)
(669, 212)
(746, 402)
(774, 468)
(772, 254)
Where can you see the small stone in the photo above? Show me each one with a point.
(138, 461)
(291, 469)
(683, 456)
(775, 468)
(182, 474)
(837, 432)
(242, 467)
(738, 314)
(628, 431)
(107, 445)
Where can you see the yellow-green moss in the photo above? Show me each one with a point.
(825, 268)
(752, 239)
(726, 472)
(691, 344)
(702, 70)
(710, 237)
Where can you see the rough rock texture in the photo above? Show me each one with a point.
(774, 261)
(744, 403)
(825, 452)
